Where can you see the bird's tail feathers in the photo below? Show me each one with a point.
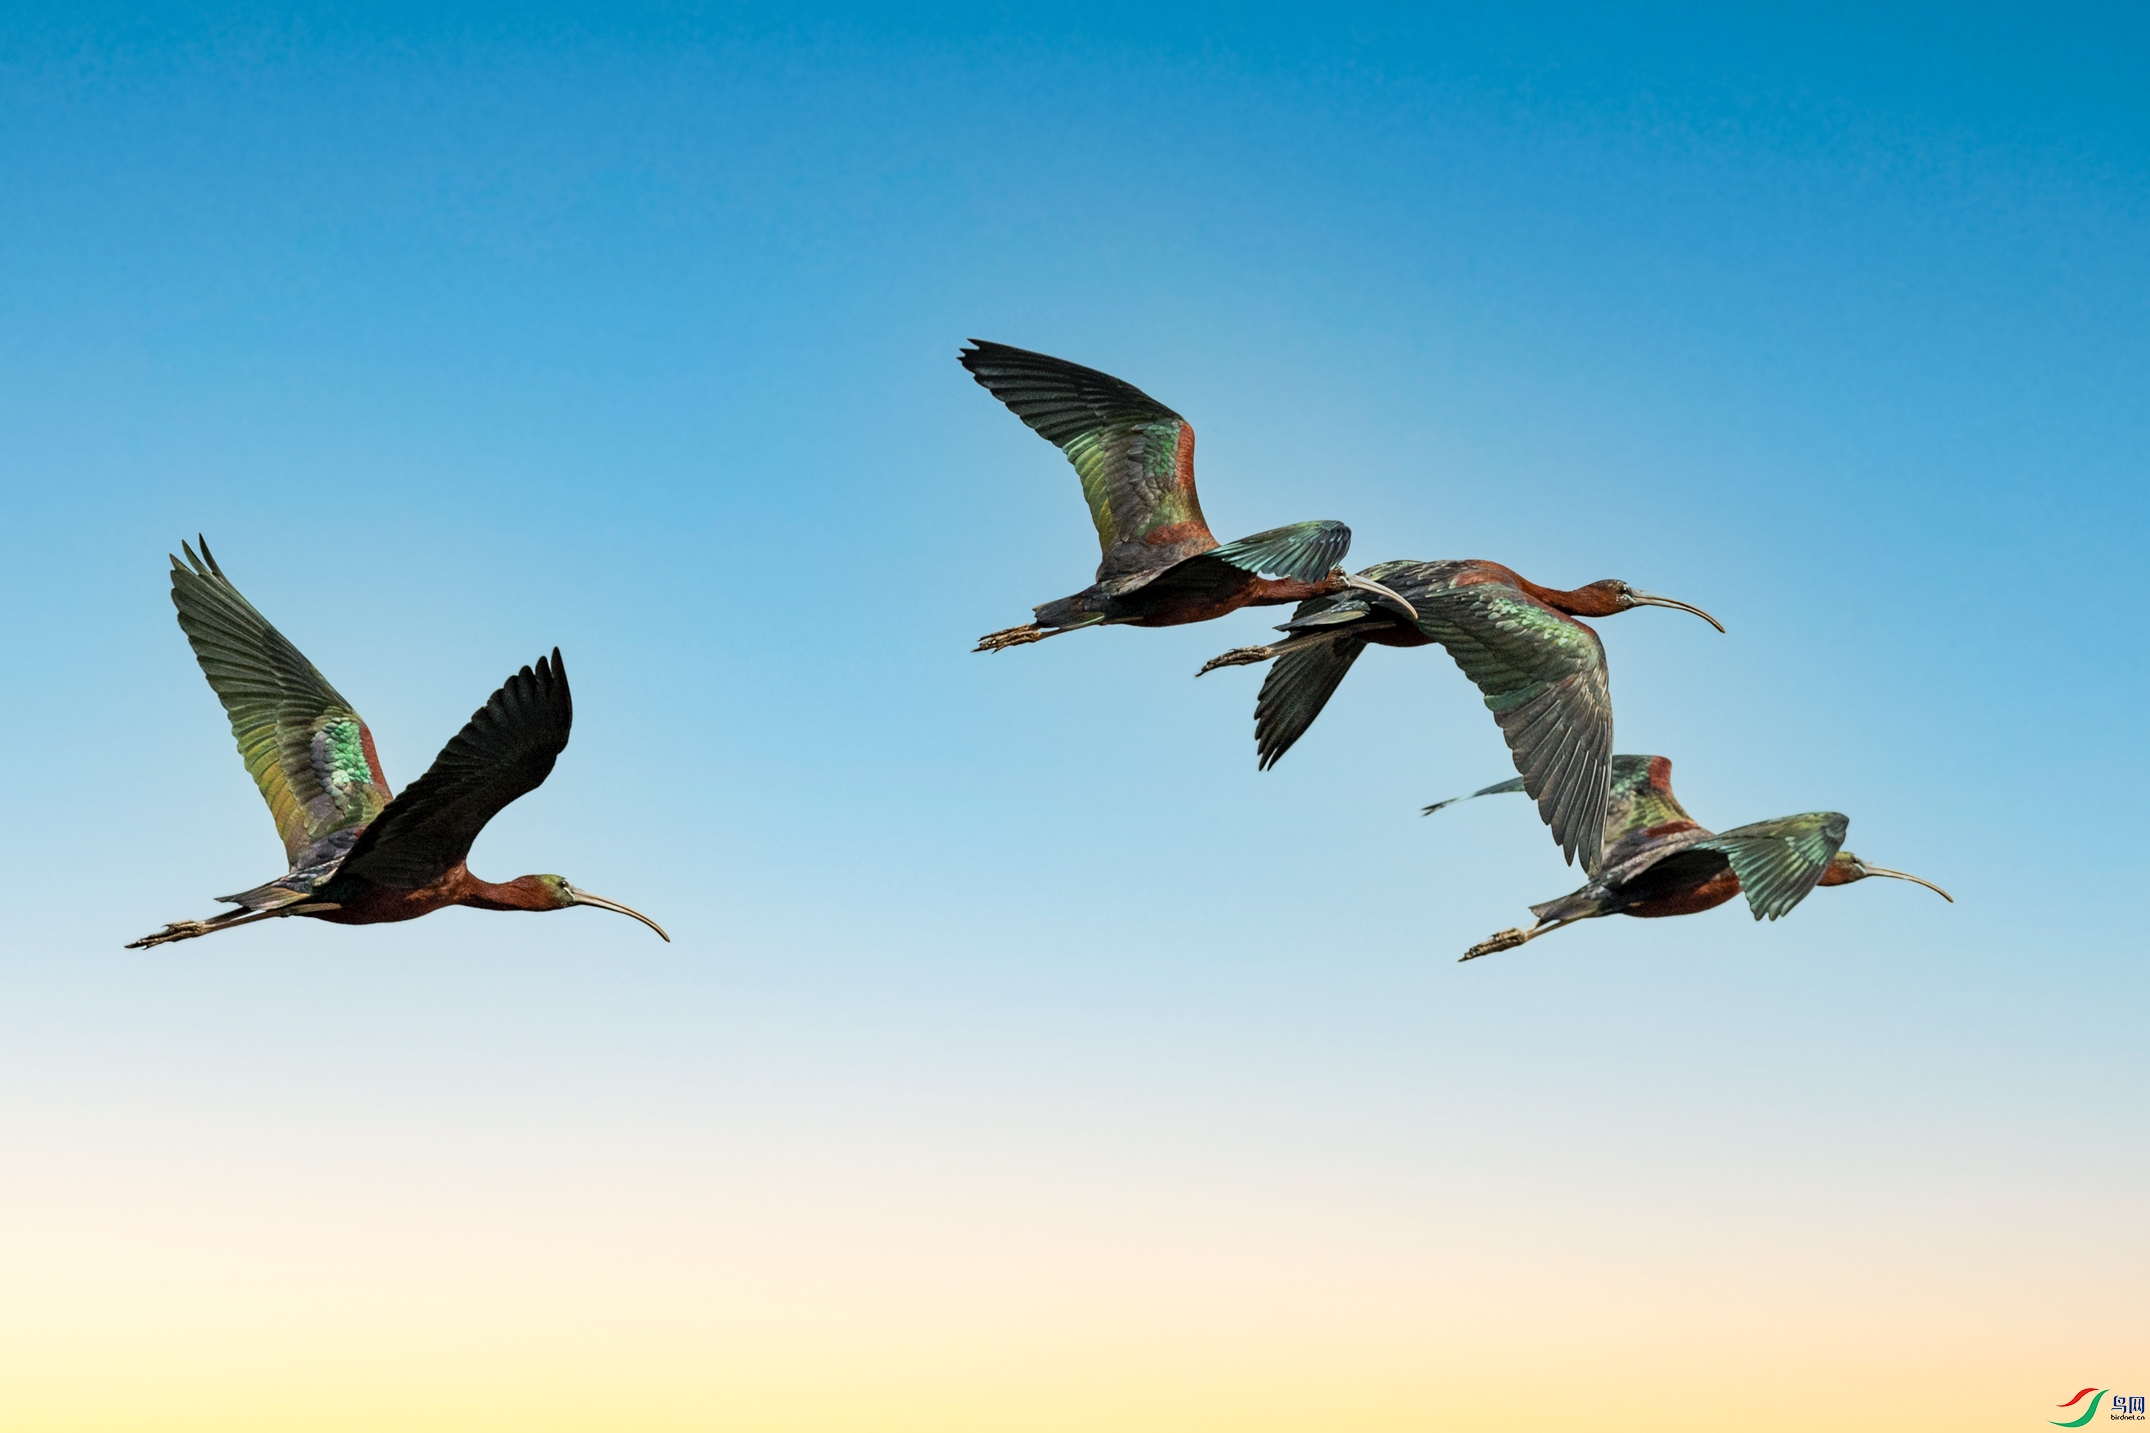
(1068, 612)
(286, 890)
(1574, 906)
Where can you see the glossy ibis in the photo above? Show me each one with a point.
(1162, 566)
(1658, 861)
(357, 855)
(1541, 671)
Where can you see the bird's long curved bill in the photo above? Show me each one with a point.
(1907, 876)
(584, 898)
(1365, 584)
(1644, 599)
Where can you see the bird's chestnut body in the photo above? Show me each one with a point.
(361, 902)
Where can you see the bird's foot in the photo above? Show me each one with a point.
(1237, 657)
(177, 930)
(1011, 637)
(1506, 940)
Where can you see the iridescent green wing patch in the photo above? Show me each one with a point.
(1641, 796)
(306, 749)
(343, 766)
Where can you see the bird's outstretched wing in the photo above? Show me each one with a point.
(1134, 455)
(506, 751)
(1543, 677)
(1298, 685)
(1306, 551)
(310, 754)
(1779, 861)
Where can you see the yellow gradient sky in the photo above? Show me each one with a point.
(683, 1269)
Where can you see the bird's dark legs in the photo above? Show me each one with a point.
(1011, 637)
(1029, 632)
(1248, 656)
(1509, 939)
(187, 930)
(1237, 657)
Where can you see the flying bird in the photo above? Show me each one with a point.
(1542, 672)
(1162, 566)
(359, 856)
(1658, 861)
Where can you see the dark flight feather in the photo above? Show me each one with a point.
(1298, 685)
(1639, 799)
(1498, 788)
(506, 750)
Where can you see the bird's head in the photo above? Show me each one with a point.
(555, 894)
(1844, 868)
(1604, 598)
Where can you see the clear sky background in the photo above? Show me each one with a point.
(1024, 1058)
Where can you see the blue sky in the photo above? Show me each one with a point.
(462, 336)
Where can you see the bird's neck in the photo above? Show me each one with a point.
(524, 893)
(1592, 601)
(1479, 570)
(1838, 872)
(1273, 591)
(1576, 601)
